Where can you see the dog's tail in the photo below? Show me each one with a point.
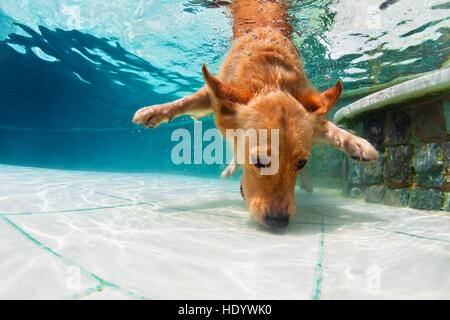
(250, 14)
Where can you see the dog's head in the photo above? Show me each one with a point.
(272, 161)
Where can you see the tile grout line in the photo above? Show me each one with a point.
(72, 210)
(382, 229)
(97, 192)
(196, 211)
(152, 204)
(102, 283)
(86, 292)
(250, 219)
(318, 270)
(411, 235)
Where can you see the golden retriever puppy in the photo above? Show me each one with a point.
(262, 85)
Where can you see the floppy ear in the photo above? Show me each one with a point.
(225, 97)
(321, 103)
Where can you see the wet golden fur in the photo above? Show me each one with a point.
(262, 85)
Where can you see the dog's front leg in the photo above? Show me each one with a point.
(357, 148)
(195, 105)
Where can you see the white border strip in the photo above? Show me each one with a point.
(433, 82)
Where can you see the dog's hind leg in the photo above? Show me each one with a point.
(230, 170)
(357, 148)
(196, 105)
(304, 182)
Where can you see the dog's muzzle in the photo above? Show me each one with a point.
(242, 193)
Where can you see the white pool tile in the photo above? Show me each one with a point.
(184, 255)
(32, 272)
(170, 189)
(193, 238)
(367, 263)
(23, 193)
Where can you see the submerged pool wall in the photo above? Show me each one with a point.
(409, 124)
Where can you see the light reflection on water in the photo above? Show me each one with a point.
(73, 73)
(334, 37)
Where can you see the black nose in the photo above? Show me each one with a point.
(278, 221)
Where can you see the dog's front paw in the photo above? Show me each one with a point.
(151, 117)
(360, 149)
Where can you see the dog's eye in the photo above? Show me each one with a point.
(300, 164)
(257, 163)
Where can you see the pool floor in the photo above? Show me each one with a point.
(92, 235)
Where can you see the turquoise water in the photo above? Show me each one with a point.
(73, 73)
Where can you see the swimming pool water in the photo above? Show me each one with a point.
(73, 73)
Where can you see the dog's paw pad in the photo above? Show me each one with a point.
(361, 150)
(151, 117)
